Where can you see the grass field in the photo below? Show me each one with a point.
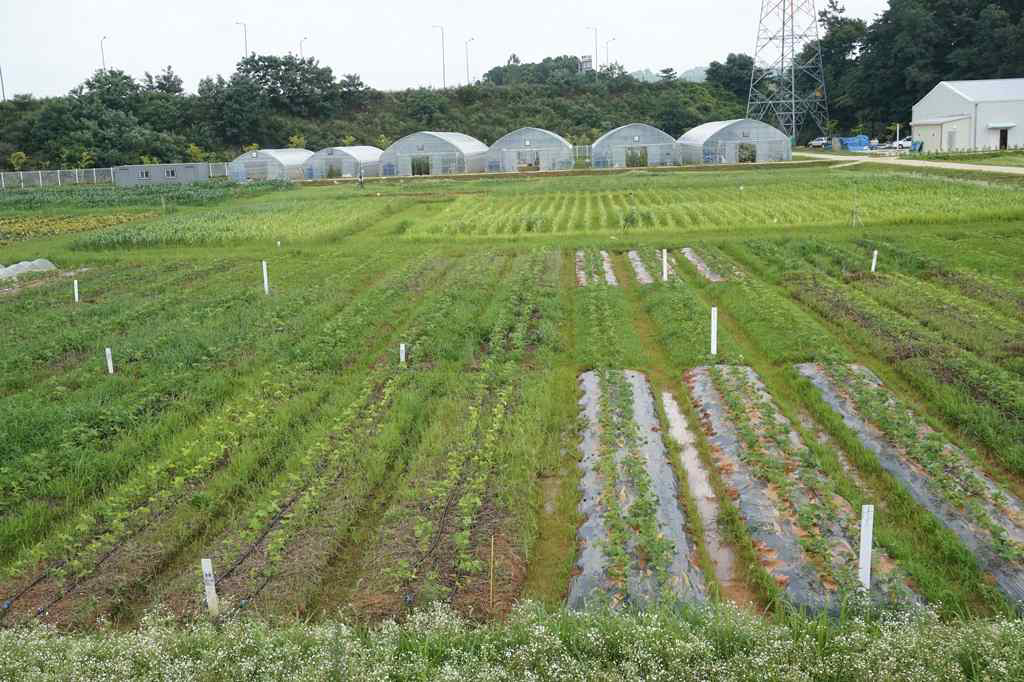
(281, 436)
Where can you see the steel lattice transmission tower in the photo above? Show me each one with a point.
(787, 84)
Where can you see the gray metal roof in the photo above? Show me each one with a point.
(362, 153)
(286, 157)
(706, 131)
(464, 143)
(995, 90)
(555, 137)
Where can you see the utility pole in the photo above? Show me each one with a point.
(302, 55)
(3, 91)
(245, 38)
(103, 54)
(597, 56)
(607, 52)
(444, 64)
(468, 79)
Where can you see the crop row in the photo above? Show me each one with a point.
(743, 200)
(294, 220)
(432, 537)
(163, 484)
(110, 196)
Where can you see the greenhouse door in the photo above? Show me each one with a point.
(421, 165)
(747, 153)
(1004, 138)
(636, 157)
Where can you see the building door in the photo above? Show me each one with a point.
(950, 140)
(421, 165)
(1004, 138)
(636, 157)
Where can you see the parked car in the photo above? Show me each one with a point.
(819, 142)
(905, 143)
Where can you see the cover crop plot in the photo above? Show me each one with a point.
(633, 543)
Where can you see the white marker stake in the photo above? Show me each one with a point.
(266, 282)
(714, 331)
(874, 261)
(110, 362)
(75, 283)
(210, 582)
(401, 353)
(664, 265)
(279, 244)
(867, 524)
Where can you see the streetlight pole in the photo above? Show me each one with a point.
(607, 59)
(444, 65)
(245, 38)
(3, 91)
(103, 54)
(302, 55)
(597, 55)
(468, 79)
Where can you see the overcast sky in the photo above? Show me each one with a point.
(50, 46)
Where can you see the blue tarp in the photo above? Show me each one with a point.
(858, 143)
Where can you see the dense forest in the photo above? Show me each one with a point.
(875, 71)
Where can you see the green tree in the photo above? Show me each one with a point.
(668, 74)
(18, 160)
(297, 141)
(732, 76)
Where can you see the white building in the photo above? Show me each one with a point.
(986, 114)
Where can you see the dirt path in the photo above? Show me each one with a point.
(917, 163)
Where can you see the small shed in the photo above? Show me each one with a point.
(742, 140)
(269, 164)
(344, 162)
(529, 149)
(161, 174)
(636, 145)
(433, 153)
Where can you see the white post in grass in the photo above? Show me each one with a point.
(867, 524)
(401, 353)
(110, 362)
(266, 281)
(874, 261)
(210, 583)
(664, 265)
(714, 331)
(279, 243)
(76, 290)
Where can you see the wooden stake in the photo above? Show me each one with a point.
(664, 265)
(874, 261)
(266, 281)
(401, 353)
(76, 290)
(110, 361)
(492, 573)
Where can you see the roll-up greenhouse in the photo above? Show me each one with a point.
(269, 164)
(433, 153)
(636, 145)
(344, 162)
(741, 140)
(529, 149)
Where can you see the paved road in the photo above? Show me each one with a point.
(915, 163)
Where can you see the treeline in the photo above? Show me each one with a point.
(272, 101)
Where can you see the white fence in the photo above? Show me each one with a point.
(75, 176)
